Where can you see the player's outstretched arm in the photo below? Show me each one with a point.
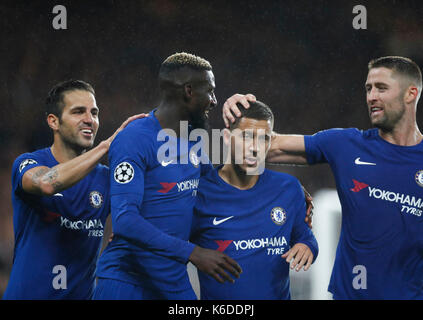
(284, 149)
(299, 256)
(47, 181)
(215, 264)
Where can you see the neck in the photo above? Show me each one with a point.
(406, 133)
(237, 177)
(62, 152)
(169, 115)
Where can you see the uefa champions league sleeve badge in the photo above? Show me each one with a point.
(124, 173)
(25, 163)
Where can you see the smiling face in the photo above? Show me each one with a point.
(385, 98)
(249, 144)
(203, 99)
(78, 123)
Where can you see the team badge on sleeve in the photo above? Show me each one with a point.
(26, 163)
(124, 173)
(419, 178)
(278, 215)
(96, 199)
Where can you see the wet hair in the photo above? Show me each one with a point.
(401, 66)
(257, 110)
(54, 101)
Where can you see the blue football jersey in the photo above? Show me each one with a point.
(254, 227)
(152, 204)
(57, 238)
(380, 187)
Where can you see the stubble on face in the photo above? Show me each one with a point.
(385, 98)
(79, 120)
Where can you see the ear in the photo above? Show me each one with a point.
(411, 94)
(227, 137)
(188, 90)
(53, 121)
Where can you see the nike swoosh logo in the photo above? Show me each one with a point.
(58, 195)
(357, 161)
(166, 163)
(217, 222)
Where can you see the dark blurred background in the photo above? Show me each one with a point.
(302, 58)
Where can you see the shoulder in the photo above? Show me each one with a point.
(330, 137)
(144, 127)
(102, 169)
(281, 178)
(340, 132)
(209, 176)
(37, 157)
(138, 137)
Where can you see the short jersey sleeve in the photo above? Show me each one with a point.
(129, 156)
(325, 145)
(21, 165)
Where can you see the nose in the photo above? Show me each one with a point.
(372, 94)
(254, 146)
(88, 118)
(213, 101)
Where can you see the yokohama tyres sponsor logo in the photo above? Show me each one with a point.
(409, 204)
(274, 245)
(188, 185)
(81, 224)
(191, 184)
(260, 243)
(395, 197)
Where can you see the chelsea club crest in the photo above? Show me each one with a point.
(419, 178)
(96, 199)
(278, 215)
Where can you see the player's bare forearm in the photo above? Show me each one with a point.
(47, 181)
(287, 149)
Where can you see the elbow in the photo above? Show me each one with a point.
(47, 189)
(120, 225)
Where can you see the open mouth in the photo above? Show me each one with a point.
(87, 133)
(375, 110)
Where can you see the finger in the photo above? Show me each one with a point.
(233, 107)
(216, 276)
(230, 269)
(302, 262)
(127, 121)
(244, 102)
(292, 253)
(309, 262)
(297, 258)
(308, 220)
(233, 264)
(225, 120)
(226, 277)
(250, 97)
(229, 116)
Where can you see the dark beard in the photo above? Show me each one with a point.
(200, 122)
